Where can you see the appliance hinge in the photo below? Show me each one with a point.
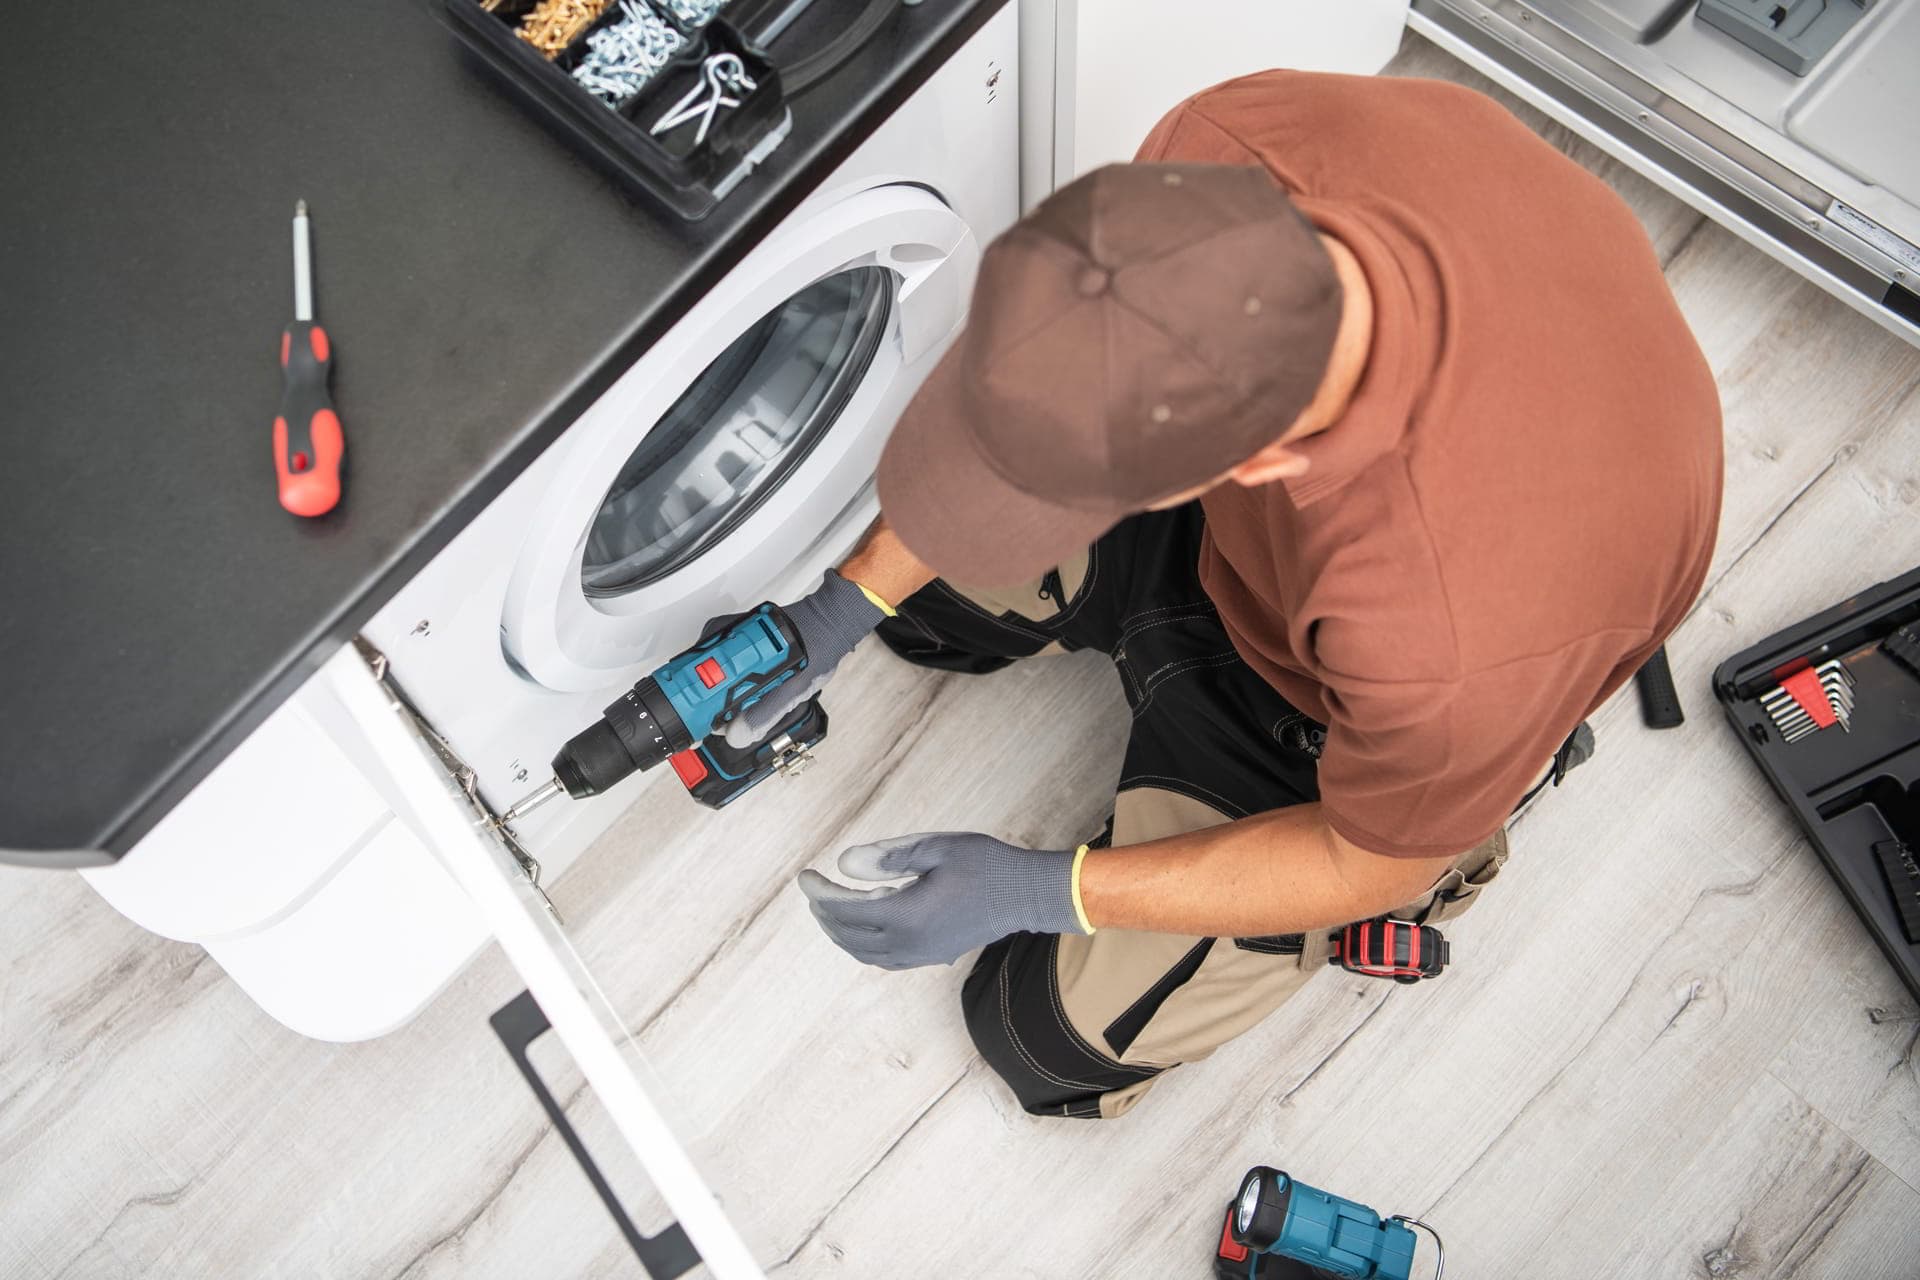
(460, 774)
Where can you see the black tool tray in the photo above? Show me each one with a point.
(1854, 789)
(688, 179)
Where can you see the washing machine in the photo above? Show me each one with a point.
(732, 463)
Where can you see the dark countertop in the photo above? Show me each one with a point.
(482, 285)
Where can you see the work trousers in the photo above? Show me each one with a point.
(1082, 1026)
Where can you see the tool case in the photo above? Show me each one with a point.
(1853, 785)
(688, 177)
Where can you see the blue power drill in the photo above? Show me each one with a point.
(678, 713)
(1278, 1228)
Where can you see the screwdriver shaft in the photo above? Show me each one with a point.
(302, 264)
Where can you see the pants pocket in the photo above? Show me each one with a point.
(1274, 944)
(1218, 993)
(1460, 887)
(1125, 1029)
(1040, 601)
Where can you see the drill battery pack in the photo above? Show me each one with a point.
(717, 773)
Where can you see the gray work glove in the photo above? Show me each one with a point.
(831, 621)
(970, 890)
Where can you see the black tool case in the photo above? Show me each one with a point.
(689, 179)
(1855, 791)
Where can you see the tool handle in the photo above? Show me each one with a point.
(308, 443)
(1659, 700)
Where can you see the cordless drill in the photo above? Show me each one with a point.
(1278, 1228)
(679, 712)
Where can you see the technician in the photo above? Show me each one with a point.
(1357, 425)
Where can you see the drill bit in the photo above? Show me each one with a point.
(529, 803)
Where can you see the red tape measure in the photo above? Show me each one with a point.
(1389, 948)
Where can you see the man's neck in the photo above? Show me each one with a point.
(1352, 344)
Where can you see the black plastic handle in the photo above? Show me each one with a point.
(308, 442)
(1659, 700)
(519, 1023)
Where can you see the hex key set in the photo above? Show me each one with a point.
(670, 98)
(1830, 710)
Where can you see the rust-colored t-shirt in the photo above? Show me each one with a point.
(1519, 504)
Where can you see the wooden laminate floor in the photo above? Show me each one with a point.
(1667, 1047)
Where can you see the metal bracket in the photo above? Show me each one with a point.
(790, 758)
(463, 775)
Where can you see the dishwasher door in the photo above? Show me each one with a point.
(562, 994)
(1819, 169)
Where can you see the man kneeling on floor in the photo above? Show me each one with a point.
(1357, 426)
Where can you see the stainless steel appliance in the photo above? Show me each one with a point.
(1794, 122)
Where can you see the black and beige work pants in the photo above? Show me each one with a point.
(1083, 1026)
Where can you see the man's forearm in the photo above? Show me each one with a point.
(1281, 872)
(883, 565)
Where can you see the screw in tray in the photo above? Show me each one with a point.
(623, 57)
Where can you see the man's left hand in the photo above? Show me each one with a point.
(967, 890)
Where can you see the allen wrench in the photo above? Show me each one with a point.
(1810, 700)
(722, 72)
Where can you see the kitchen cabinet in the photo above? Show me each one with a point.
(1096, 75)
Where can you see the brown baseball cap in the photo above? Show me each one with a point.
(1145, 329)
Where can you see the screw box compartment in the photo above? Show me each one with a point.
(1855, 792)
(689, 179)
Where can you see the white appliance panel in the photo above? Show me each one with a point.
(356, 930)
(268, 825)
(1098, 74)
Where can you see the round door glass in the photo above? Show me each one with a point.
(740, 429)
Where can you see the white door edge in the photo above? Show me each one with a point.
(522, 922)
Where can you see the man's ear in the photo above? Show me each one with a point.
(1274, 462)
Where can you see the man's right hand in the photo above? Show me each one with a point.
(831, 621)
(834, 619)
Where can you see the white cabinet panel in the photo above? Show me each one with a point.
(366, 952)
(1117, 66)
(265, 828)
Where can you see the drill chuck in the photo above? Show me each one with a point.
(636, 732)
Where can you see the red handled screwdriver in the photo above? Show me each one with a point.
(307, 440)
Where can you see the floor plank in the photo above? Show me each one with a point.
(1854, 1060)
(1655, 1056)
(1777, 1191)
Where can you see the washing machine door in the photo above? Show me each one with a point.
(734, 462)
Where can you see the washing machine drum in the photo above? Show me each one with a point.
(740, 429)
(680, 498)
